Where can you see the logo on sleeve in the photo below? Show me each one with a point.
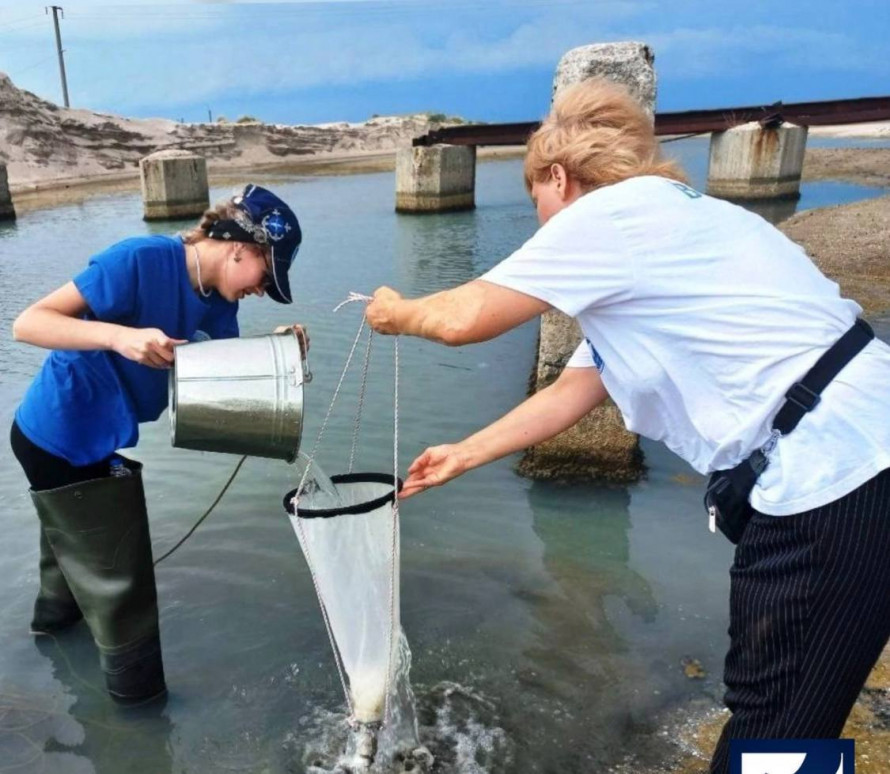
(597, 360)
(791, 756)
(685, 189)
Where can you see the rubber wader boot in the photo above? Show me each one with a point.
(98, 531)
(55, 608)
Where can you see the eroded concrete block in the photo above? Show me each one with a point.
(599, 447)
(438, 178)
(631, 64)
(174, 185)
(751, 162)
(7, 210)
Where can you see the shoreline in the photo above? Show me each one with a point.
(55, 191)
(863, 166)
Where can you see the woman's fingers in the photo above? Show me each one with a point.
(380, 311)
(299, 331)
(422, 460)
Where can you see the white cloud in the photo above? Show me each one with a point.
(128, 57)
(695, 53)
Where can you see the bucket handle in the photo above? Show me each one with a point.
(304, 354)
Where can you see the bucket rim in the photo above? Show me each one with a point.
(349, 510)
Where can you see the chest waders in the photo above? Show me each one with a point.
(97, 532)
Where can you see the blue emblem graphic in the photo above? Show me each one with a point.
(275, 226)
(597, 360)
(690, 192)
(792, 756)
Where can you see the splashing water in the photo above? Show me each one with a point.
(341, 746)
(318, 492)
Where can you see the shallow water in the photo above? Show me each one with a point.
(548, 624)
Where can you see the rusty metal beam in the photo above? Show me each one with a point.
(840, 111)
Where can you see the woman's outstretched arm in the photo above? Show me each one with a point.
(473, 312)
(544, 415)
(56, 322)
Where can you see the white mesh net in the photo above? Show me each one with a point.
(351, 547)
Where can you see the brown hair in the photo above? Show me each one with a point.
(600, 134)
(222, 211)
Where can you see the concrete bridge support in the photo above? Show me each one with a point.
(174, 185)
(753, 162)
(7, 211)
(599, 447)
(437, 178)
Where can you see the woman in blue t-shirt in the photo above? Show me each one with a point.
(112, 331)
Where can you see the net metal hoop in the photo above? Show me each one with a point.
(346, 510)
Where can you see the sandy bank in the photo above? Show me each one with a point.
(73, 189)
(874, 130)
(866, 166)
(850, 244)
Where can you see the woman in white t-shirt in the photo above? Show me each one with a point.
(698, 316)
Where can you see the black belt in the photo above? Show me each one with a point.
(804, 395)
(726, 498)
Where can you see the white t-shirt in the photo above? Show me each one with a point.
(700, 315)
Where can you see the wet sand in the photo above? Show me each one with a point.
(869, 725)
(866, 166)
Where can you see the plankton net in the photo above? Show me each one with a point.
(348, 529)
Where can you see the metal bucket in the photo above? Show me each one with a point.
(240, 396)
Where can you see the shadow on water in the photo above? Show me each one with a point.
(578, 667)
(772, 210)
(78, 729)
(434, 252)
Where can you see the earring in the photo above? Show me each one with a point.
(237, 254)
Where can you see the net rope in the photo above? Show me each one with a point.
(351, 298)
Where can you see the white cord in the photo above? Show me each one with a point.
(352, 297)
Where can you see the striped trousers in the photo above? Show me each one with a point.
(809, 617)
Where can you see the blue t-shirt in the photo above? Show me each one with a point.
(84, 405)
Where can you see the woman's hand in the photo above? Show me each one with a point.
(436, 466)
(299, 331)
(381, 311)
(147, 346)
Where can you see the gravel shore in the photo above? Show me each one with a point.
(851, 244)
(867, 166)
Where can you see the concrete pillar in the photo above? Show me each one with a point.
(438, 178)
(7, 211)
(750, 162)
(599, 447)
(630, 63)
(174, 185)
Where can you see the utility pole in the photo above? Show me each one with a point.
(56, 9)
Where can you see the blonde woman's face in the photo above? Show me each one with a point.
(547, 199)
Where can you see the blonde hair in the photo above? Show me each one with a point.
(600, 134)
(222, 211)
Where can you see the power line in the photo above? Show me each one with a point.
(18, 21)
(17, 30)
(32, 66)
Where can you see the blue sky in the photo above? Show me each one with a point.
(491, 60)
